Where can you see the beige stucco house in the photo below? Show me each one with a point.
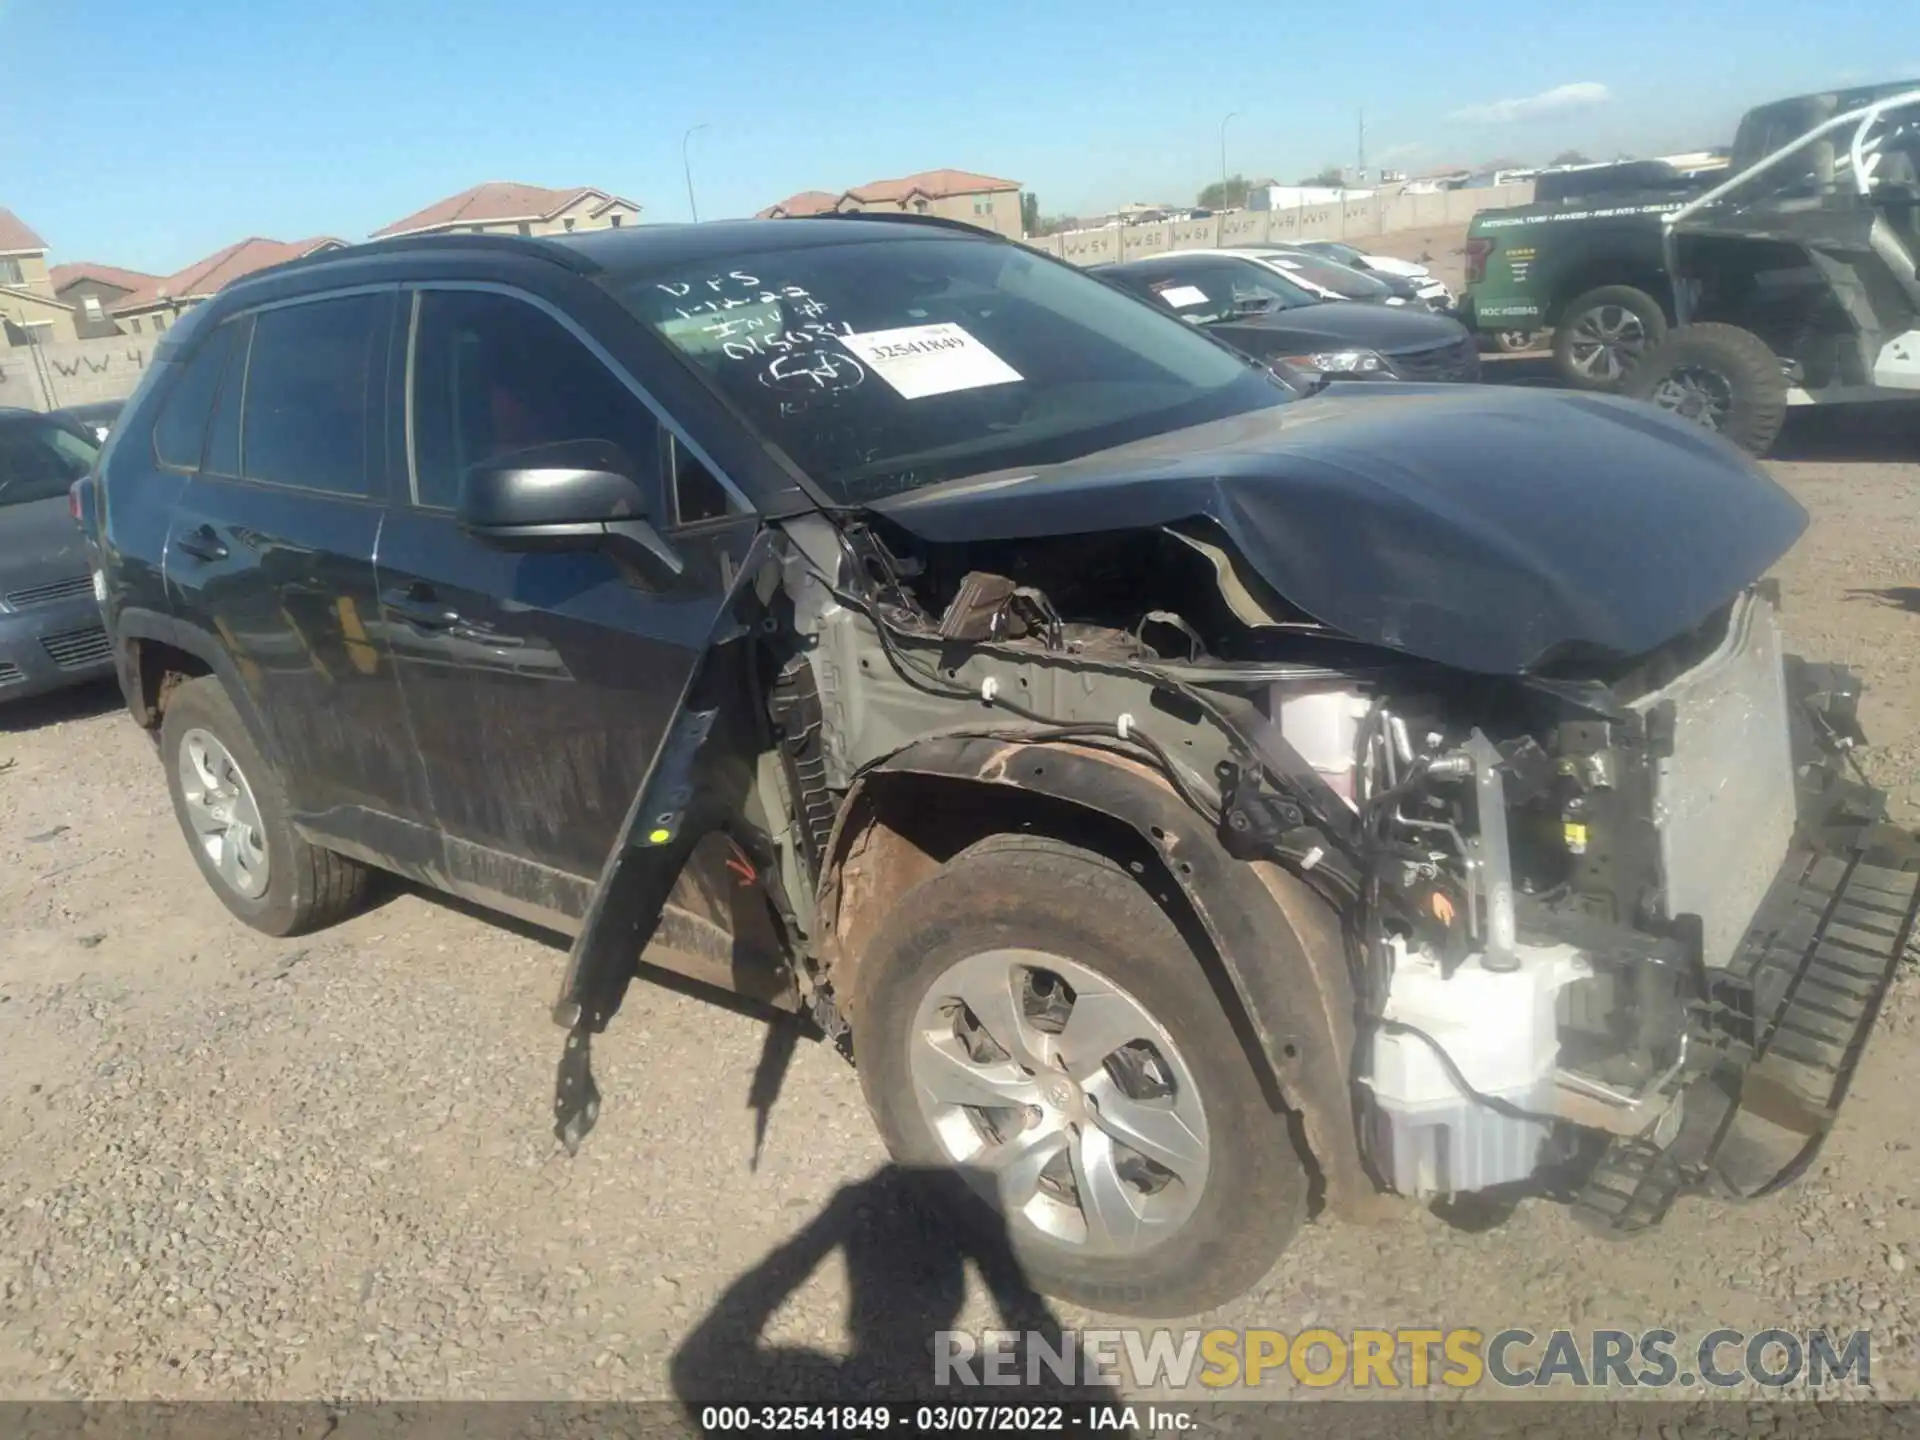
(504, 207)
(30, 313)
(981, 200)
(93, 290)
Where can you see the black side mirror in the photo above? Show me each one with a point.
(568, 495)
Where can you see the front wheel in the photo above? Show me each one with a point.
(1031, 1018)
(1721, 378)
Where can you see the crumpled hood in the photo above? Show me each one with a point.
(1474, 526)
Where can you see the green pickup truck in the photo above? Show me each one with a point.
(1585, 265)
(1790, 279)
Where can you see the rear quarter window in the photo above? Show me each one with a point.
(181, 428)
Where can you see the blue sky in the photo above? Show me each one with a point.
(149, 134)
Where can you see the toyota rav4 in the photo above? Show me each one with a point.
(1187, 801)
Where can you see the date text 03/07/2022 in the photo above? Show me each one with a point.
(949, 1418)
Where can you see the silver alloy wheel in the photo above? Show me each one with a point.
(223, 813)
(1606, 341)
(1703, 396)
(1062, 1100)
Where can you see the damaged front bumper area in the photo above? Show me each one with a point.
(1681, 1005)
(1613, 937)
(1785, 1021)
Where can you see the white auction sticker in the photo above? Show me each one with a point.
(1181, 296)
(922, 360)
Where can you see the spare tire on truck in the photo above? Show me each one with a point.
(1722, 378)
(1601, 336)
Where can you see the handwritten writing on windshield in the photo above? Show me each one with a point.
(784, 327)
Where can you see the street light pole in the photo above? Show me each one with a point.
(687, 165)
(1223, 148)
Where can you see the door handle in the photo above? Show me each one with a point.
(202, 544)
(418, 607)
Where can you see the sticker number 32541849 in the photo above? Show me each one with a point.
(922, 360)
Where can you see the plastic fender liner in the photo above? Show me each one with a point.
(1280, 945)
(687, 794)
(133, 625)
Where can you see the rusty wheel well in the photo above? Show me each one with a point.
(160, 669)
(903, 827)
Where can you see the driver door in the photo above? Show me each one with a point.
(538, 684)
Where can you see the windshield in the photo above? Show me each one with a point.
(1324, 274)
(885, 365)
(39, 460)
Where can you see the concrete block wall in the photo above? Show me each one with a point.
(1354, 221)
(73, 372)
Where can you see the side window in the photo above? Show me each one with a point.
(492, 374)
(223, 435)
(182, 425)
(308, 376)
(697, 494)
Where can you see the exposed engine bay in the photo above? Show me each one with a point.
(1547, 878)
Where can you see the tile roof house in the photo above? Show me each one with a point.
(93, 290)
(506, 207)
(979, 200)
(154, 305)
(807, 202)
(30, 312)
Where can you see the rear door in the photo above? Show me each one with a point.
(538, 685)
(271, 550)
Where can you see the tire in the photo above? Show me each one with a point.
(273, 880)
(1076, 909)
(1515, 342)
(1722, 378)
(1601, 335)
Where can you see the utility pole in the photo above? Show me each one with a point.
(687, 165)
(1360, 166)
(1223, 153)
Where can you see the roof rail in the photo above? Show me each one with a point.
(537, 247)
(904, 217)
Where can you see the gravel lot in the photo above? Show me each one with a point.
(238, 1167)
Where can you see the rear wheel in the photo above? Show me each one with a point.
(233, 811)
(1602, 334)
(1031, 1018)
(1720, 377)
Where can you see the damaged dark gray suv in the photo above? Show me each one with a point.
(1188, 802)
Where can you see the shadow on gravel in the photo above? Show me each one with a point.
(907, 1273)
(780, 1043)
(1886, 433)
(1898, 597)
(41, 712)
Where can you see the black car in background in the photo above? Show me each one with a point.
(50, 632)
(1257, 309)
(97, 417)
